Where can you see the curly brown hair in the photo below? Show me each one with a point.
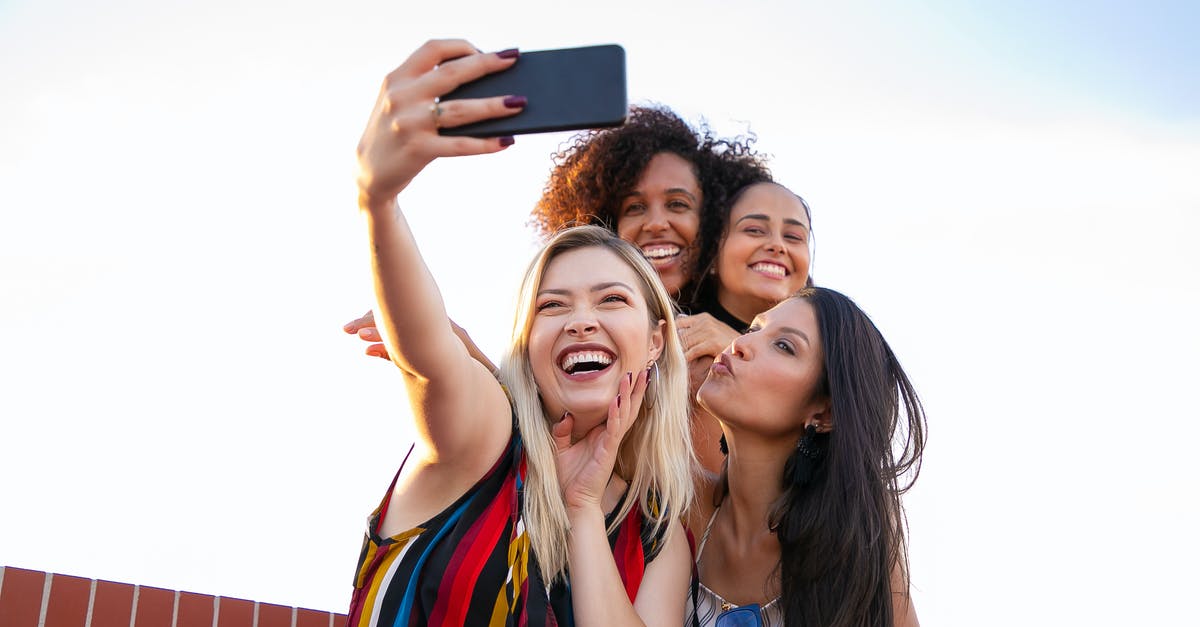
(597, 169)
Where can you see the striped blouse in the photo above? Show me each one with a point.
(471, 564)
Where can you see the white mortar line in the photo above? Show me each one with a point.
(91, 603)
(47, 582)
(137, 593)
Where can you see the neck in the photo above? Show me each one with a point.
(754, 472)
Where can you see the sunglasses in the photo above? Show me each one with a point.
(742, 616)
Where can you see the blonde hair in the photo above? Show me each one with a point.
(655, 456)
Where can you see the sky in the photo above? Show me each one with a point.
(1008, 189)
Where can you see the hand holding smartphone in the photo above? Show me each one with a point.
(567, 89)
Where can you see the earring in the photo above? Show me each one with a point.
(651, 395)
(810, 451)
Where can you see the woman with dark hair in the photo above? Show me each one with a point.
(762, 258)
(804, 525)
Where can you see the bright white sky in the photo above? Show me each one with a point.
(1009, 189)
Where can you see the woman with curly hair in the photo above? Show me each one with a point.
(657, 182)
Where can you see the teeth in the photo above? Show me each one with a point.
(571, 359)
(660, 251)
(769, 268)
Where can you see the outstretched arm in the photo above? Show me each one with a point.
(401, 138)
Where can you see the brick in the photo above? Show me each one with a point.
(274, 615)
(339, 620)
(21, 597)
(155, 607)
(68, 601)
(235, 613)
(195, 610)
(113, 604)
(311, 618)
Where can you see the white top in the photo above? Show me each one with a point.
(708, 604)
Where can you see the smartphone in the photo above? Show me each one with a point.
(568, 89)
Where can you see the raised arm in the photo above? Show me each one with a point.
(461, 414)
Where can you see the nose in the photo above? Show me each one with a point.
(581, 325)
(776, 244)
(656, 220)
(738, 346)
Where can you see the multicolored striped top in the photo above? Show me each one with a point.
(471, 564)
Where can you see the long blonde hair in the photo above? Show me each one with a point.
(655, 457)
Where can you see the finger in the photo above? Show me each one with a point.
(367, 320)
(561, 432)
(378, 350)
(453, 73)
(431, 54)
(460, 112)
(638, 391)
(369, 334)
(462, 146)
(694, 352)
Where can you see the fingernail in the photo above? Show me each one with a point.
(507, 141)
(510, 53)
(516, 102)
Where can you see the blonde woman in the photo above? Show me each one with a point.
(558, 501)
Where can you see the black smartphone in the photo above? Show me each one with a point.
(568, 89)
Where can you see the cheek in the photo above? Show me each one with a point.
(687, 225)
(627, 228)
(801, 264)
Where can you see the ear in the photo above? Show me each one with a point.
(656, 340)
(820, 414)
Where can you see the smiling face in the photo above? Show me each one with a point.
(764, 257)
(591, 327)
(661, 216)
(769, 380)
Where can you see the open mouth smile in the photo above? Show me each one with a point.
(585, 363)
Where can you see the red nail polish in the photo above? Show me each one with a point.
(516, 102)
(507, 141)
(510, 53)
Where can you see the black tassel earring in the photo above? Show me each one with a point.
(802, 464)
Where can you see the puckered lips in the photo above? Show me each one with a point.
(722, 365)
(585, 361)
(770, 269)
(661, 252)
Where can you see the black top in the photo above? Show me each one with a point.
(706, 302)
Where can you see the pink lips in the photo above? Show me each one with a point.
(722, 365)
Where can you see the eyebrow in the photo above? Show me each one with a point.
(599, 287)
(798, 332)
(673, 190)
(764, 217)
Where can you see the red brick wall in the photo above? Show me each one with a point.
(31, 598)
